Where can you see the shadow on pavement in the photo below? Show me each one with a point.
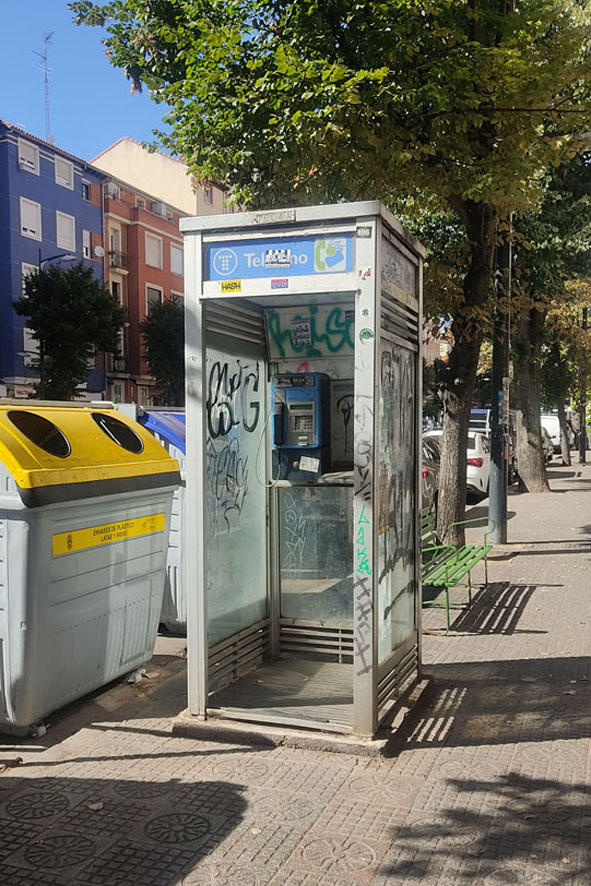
(507, 829)
(501, 702)
(100, 832)
(496, 609)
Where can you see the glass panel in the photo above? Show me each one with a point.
(397, 506)
(236, 556)
(316, 553)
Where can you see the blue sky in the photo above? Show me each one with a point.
(90, 104)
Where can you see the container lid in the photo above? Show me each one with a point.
(169, 425)
(60, 453)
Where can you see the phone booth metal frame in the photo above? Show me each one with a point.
(241, 272)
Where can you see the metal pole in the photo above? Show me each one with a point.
(41, 341)
(497, 502)
(583, 405)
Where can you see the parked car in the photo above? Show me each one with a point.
(478, 463)
(477, 460)
(547, 444)
(552, 424)
(430, 472)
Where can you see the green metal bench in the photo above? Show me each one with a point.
(446, 566)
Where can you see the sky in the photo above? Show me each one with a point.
(90, 103)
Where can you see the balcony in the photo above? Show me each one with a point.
(117, 259)
(119, 364)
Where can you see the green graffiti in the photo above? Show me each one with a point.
(361, 551)
(315, 336)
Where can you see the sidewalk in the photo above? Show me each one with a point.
(488, 782)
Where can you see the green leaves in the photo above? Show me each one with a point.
(164, 336)
(70, 314)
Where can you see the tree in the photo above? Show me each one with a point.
(340, 99)
(566, 353)
(164, 336)
(554, 248)
(70, 314)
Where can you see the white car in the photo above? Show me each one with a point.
(477, 460)
(552, 425)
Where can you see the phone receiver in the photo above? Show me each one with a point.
(278, 427)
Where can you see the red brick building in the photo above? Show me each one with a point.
(144, 265)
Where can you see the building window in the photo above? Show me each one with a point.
(86, 244)
(86, 193)
(66, 231)
(208, 195)
(64, 173)
(26, 271)
(30, 347)
(140, 202)
(177, 296)
(28, 156)
(153, 251)
(176, 259)
(143, 395)
(30, 219)
(153, 298)
(117, 392)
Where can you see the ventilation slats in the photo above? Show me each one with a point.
(234, 320)
(399, 319)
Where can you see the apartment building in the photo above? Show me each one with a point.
(50, 212)
(144, 266)
(156, 173)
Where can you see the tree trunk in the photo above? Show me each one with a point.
(531, 460)
(480, 221)
(564, 435)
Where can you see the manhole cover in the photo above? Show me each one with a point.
(59, 852)
(177, 827)
(40, 805)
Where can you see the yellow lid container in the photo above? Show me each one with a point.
(67, 452)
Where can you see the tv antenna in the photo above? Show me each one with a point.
(46, 69)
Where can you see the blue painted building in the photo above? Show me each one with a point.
(50, 205)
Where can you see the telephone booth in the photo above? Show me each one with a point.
(303, 358)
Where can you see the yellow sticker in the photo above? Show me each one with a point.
(93, 536)
(231, 285)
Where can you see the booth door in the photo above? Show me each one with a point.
(236, 494)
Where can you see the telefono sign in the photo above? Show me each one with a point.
(293, 256)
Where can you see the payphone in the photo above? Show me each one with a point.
(301, 426)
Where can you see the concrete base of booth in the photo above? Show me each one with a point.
(228, 730)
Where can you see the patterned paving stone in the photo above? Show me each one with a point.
(130, 863)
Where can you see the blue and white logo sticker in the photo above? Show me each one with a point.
(225, 261)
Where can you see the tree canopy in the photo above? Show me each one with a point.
(70, 314)
(326, 99)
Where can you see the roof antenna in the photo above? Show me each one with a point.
(46, 69)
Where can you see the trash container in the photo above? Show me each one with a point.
(168, 427)
(85, 502)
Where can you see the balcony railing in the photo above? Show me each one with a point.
(119, 364)
(117, 259)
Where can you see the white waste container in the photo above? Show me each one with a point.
(85, 504)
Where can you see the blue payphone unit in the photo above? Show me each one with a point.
(301, 426)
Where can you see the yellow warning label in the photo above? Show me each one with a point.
(231, 285)
(93, 536)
